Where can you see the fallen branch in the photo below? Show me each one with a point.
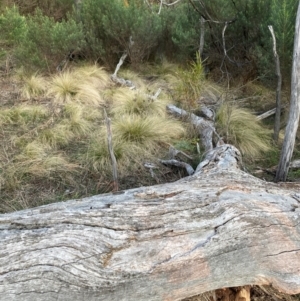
(206, 127)
(173, 162)
(173, 152)
(114, 76)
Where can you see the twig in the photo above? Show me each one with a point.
(111, 152)
(173, 152)
(169, 4)
(121, 61)
(160, 6)
(114, 77)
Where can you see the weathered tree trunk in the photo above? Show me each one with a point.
(293, 121)
(218, 228)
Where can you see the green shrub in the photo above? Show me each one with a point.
(12, 27)
(57, 9)
(47, 42)
(182, 31)
(110, 25)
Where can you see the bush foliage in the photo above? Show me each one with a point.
(104, 29)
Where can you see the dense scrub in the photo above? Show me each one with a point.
(237, 43)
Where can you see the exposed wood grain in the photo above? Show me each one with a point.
(218, 228)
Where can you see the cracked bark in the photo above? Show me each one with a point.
(219, 228)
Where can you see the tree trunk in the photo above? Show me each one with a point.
(293, 121)
(218, 228)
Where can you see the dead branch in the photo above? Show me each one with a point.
(278, 89)
(173, 162)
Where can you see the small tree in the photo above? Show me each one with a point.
(293, 121)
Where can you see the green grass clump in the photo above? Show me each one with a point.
(241, 128)
(189, 88)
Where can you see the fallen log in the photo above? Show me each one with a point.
(220, 227)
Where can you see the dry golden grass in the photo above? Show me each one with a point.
(57, 136)
(146, 130)
(23, 114)
(36, 161)
(130, 155)
(34, 86)
(89, 95)
(126, 101)
(241, 128)
(63, 87)
(133, 77)
(94, 75)
(61, 143)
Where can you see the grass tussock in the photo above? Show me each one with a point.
(133, 77)
(63, 87)
(57, 136)
(137, 102)
(88, 94)
(93, 74)
(82, 85)
(146, 131)
(241, 128)
(23, 114)
(34, 86)
(60, 144)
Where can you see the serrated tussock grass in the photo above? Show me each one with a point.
(34, 86)
(241, 128)
(63, 87)
(132, 76)
(146, 130)
(96, 76)
(137, 102)
(23, 114)
(88, 94)
(60, 143)
(56, 136)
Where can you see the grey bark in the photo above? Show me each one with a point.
(293, 120)
(202, 35)
(266, 114)
(278, 89)
(205, 127)
(218, 228)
